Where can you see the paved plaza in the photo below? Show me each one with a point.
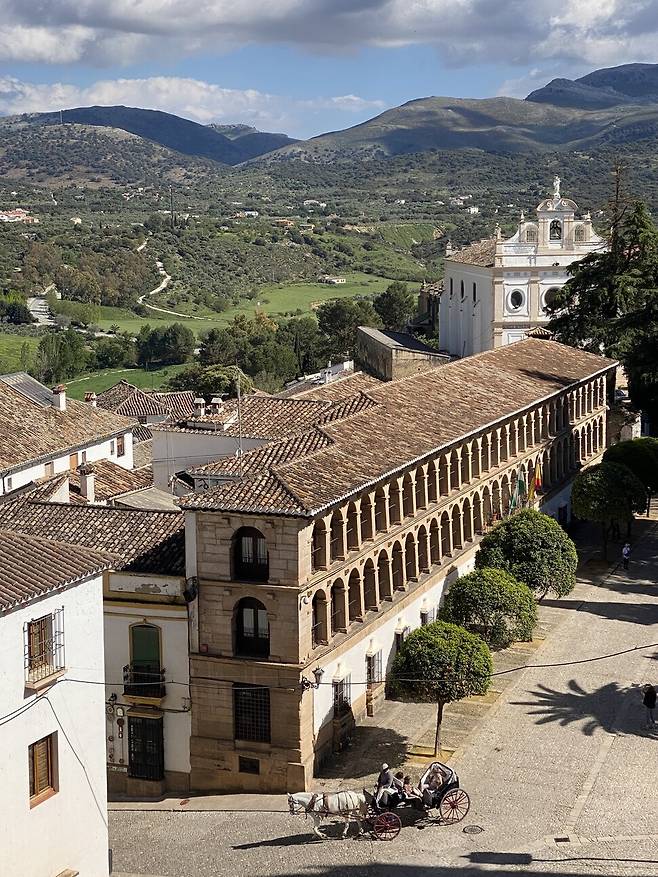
(561, 768)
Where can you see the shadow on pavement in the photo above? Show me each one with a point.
(382, 869)
(610, 707)
(369, 748)
(633, 613)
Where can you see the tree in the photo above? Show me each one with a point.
(533, 548)
(441, 662)
(493, 604)
(607, 494)
(641, 457)
(212, 380)
(60, 355)
(396, 306)
(165, 345)
(17, 312)
(338, 320)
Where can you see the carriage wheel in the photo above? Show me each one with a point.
(454, 806)
(386, 826)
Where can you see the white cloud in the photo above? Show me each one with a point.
(191, 98)
(578, 32)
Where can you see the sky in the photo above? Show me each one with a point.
(304, 67)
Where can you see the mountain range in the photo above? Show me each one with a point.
(606, 107)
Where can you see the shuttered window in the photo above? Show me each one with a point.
(42, 768)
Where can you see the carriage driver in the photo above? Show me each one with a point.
(387, 785)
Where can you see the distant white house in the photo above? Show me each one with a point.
(473, 210)
(331, 280)
(52, 769)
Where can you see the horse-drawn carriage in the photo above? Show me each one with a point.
(438, 790)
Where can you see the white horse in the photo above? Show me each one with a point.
(320, 805)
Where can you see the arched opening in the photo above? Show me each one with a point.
(454, 470)
(446, 542)
(423, 553)
(319, 546)
(384, 575)
(421, 500)
(320, 628)
(505, 495)
(252, 629)
(531, 234)
(555, 230)
(477, 514)
(398, 567)
(380, 510)
(337, 548)
(338, 617)
(370, 586)
(465, 464)
(457, 537)
(432, 493)
(467, 520)
(410, 564)
(476, 458)
(494, 440)
(444, 475)
(496, 507)
(394, 503)
(579, 234)
(461, 290)
(435, 542)
(487, 511)
(366, 518)
(513, 439)
(354, 605)
(523, 425)
(352, 527)
(407, 496)
(144, 675)
(250, 557)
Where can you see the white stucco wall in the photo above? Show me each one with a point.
(177, 451)
(106, 450)
(465, 326)
(172, 621)
(69, 829)
(353, 661)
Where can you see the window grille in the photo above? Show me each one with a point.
(426, 617)
(42, 766)
(121, 446)
(400, 637)
(145, 748)
(43, 646)
(342, 695)
(374, 668)
(251, 712)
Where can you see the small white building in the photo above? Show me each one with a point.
(52, 768)
(496, 290)
(145, 596)
(42, 433)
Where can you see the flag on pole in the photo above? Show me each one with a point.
(535, 482)
(519, 490)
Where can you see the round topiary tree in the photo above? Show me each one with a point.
(533, 548)
(441, 662)
(608, 494)
(493, 604)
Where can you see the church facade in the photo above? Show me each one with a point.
(497, 290)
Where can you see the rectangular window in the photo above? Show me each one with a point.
(251, 712)
(121, 446)
(247, 549)
(426, 617)
(112, 448)
(400, 637)
(73, 461)
(49, 469)
(84, 457)
(8, 484)
(42, 757)
(342, 695)
(254, 622)
(145, 748)
(248, 765)
(43, 646)
(374, 668)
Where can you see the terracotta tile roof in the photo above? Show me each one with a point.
(180, 403)
(417, 416)
(264, 495)
(145, 541)
(265, 456)
(113, 480)
(480, 253)
(31, 567)
(347, 407)
(143, 453)
(125, 398)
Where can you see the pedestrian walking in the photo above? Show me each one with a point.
(626, 554)
(649, 700)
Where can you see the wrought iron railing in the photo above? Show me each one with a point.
(144, 680)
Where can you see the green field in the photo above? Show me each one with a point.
(99, 381)
(10, 350)
(278, 300)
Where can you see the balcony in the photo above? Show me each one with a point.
(144, 681)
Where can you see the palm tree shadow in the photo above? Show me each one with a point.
(610, 707)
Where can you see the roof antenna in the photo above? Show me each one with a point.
(240, 449)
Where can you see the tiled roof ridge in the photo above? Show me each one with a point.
(102, 509)
(287, 489)
(340, 380)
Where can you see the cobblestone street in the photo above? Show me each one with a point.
(560, 766)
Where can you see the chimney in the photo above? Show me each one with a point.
(216, 405)
(87, 483)
(199, 406)
(59, 397)
(90, 398)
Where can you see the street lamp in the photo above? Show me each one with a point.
(318, 673)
